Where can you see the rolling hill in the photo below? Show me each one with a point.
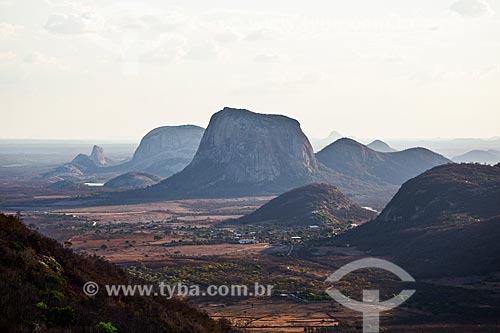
(315, 204)
(132, 180)
(445, 222)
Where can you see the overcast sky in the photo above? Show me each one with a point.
(115, 69)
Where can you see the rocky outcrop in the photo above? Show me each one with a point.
(241, 153)
(315, 204)
(132, 180)
(245, 153)
(97, 156)
(166, 150)
(319, 144)
(93, 161)
(84, 163)
(81, 166)
(68, 171)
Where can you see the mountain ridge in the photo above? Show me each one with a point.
(490, 156)
(348, 156)
(444, 222)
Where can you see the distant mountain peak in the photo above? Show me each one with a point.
(97, 156)
(95, 160)
(348, 141)
(319, 144)
(381, 146)
(350, 157)
(334, 134)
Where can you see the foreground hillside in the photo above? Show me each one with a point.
(41, 286)
(445, 222)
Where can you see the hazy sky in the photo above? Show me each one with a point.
(115, 69)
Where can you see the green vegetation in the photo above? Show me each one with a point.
(238, 272)
(103, 327)
(41, 286)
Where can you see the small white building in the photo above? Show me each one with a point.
(247, 241)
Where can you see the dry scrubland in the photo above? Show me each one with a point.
(181, 241)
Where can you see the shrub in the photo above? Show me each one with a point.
(103, 327)
(41, 306)
(57, 295)
(16, 246)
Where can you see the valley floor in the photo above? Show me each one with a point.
(182, 241)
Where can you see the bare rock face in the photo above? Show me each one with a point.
(167, 150)
(84, 163)
(97, 156)
(256, 148)
(93, 161)
(246, 153)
